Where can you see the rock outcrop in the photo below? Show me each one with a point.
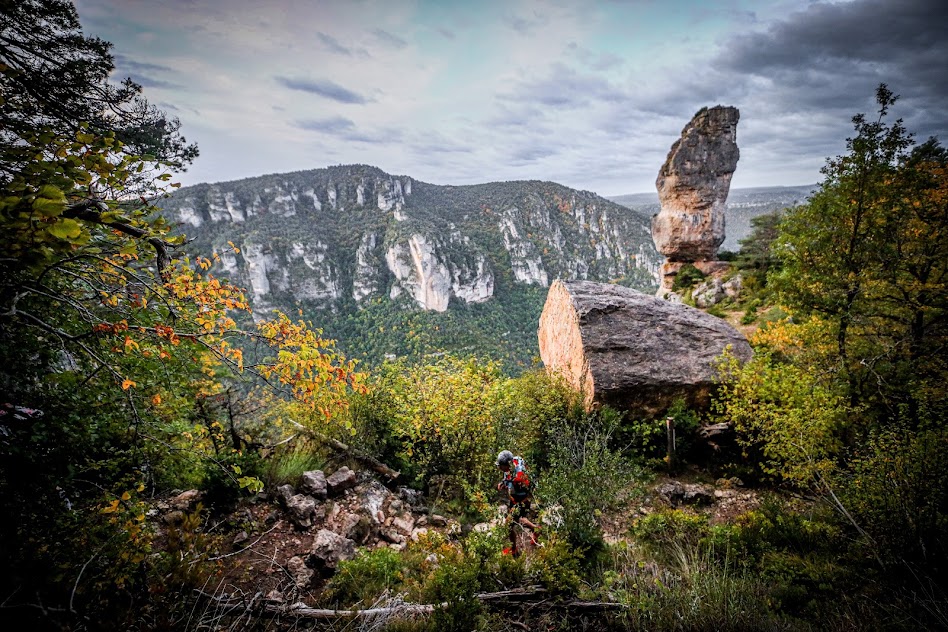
(692, 188)
(632, 351)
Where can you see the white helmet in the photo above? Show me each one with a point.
(505, 458)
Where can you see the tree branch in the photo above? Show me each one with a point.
(91, 211)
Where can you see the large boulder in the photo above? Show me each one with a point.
(633, 351)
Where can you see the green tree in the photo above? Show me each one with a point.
(756, 258)
(107, 341)
(868, 254)
(53, 77)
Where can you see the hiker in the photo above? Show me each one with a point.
(519, 488)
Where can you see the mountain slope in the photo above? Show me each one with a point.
(346, 242)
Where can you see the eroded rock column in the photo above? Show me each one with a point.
(692, 188)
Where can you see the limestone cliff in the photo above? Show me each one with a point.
(351, 234)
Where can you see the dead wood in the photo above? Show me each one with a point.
(360, 456)
(516, 595)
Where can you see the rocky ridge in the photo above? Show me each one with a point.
(349, 234)
(283, 546)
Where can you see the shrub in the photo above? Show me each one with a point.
(896, 489)
(536, 406)
(791, 417)
(687, 277)
(648, 438)
(362, 579)
(750, 312)
(443, 417)
(587, 475)
(662, 531)
(225, 477)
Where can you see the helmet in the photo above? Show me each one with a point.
(505, 458)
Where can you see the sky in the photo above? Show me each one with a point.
(587, 93)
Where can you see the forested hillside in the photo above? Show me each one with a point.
(171, 461)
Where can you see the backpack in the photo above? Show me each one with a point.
(521, 485)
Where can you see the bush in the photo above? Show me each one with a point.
(287, 466)
(750, 312)
(443, 417)
(225, 477)
(587, 475)
(659, 532)
(362, 579)
(687, 277)
(896, 489)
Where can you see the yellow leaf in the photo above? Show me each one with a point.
(127, 384)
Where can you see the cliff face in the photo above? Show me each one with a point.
(348, 234)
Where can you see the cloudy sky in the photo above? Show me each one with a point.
(588, 93)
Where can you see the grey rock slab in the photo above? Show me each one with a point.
(285, 492)
(300, 508)
(330, 548)
(676, 494)
(301, 573)
(633, 351)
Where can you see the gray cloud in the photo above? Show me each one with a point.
(143, 73)
(345, 129)
(126, 63)
(389, 39)
(323, 88)
(830, 58)
(334, 125)
(527, 154)
(333, 45)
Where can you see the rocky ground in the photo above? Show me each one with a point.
(284, 546)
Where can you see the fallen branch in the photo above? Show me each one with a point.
(300, 609)
(519, 595)
(339, 446)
